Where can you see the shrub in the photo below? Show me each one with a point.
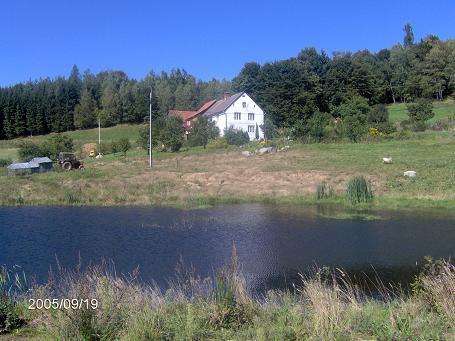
(316, 126)
(324, 191)
(171, 134)
(269, 129)
(114, 147)
(5, 162)
(403, 134)
(28, 150)
(359, 190)
(420, 111)
(50, 148)
(236, 137)
(56, 144)
(354, 127)
(217, 143)
(123, 145)
(202, 131)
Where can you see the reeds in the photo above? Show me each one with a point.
(359, 190)
(324, 191)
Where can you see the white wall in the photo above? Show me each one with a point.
(227, 120)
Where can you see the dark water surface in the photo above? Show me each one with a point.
(273, 243)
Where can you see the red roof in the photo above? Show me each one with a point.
(185, 114)
(189, 115)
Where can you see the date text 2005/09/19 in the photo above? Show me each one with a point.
(62, 303)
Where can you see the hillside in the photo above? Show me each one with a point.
(442, 109)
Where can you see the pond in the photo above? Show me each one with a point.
(273, 243)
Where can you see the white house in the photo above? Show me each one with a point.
(238, 111)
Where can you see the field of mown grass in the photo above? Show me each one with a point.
(197, 177)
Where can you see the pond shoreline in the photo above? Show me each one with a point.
(199, 202)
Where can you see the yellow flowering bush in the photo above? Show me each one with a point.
(373, 131)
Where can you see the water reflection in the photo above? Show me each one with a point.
(273, 243)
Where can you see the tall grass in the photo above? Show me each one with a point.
(320, 308)
(359, 190)
(324, 191)
(12, 283)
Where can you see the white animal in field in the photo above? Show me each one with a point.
(411, 174)
(387, 159)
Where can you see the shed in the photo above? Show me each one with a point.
(45, 164)
(23, 168)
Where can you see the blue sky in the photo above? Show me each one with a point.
(207, 38)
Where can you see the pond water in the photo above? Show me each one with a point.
(273, 243)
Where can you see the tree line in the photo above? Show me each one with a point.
(298, 93)
(79, 101)
(292, 91)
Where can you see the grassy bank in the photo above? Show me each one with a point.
(326, 306)
(442, 109)
(198, 177)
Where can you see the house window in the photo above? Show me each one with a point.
(237, 116)
(251, 129)
(250, 116)
(243, 104)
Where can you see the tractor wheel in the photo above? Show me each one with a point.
(67, 165)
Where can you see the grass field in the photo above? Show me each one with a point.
(8, 148)
(398, 111)
(197, 177)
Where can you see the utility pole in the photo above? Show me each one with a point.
(150, 129)
(99, 136)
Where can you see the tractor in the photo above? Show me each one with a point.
(69, 161)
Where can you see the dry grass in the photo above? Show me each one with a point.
(322, 308)
(183, 179)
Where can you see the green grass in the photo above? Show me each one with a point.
(398, 111)
(80, 137)
(118, 180)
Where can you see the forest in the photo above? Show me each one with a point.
(293, 92)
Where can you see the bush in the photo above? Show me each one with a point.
(56, 144)
(202, 131)
(359, 190)
(172, 133)
(28, 150)
(354, 127)
(5, 162)
(403, 134)
(420, 111)
(269, 129)
(124, 145)
(236, 137)
(317, 124)
(50, 148)
(217, 143)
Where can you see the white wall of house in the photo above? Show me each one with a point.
(243, 114)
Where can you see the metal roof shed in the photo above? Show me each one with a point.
(45, 164)
(23, 168)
